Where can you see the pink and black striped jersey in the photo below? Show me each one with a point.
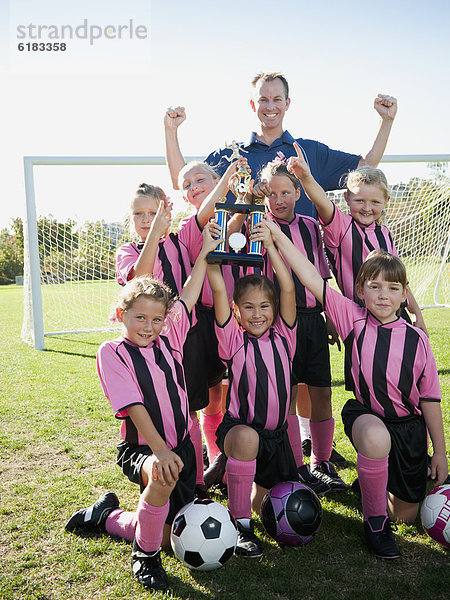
(347, 245)
(152, 376)
(173, 263)
(259, 371)
(391, 366)
(304, 233)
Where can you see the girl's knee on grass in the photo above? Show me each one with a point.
(241, 443)
(371, 437)
(156, 492)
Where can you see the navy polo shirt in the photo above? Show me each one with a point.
(327, 166)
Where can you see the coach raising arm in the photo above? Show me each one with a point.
(270, 101)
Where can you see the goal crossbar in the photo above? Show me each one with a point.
(31, 230)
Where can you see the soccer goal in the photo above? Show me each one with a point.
(418, 216)
(69, 275)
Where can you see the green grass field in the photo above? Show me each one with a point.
(57, 445)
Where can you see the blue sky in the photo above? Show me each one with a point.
(110, 98)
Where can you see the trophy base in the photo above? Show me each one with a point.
(235, 258)
(241, 208)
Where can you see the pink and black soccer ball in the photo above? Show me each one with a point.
(291, 513)
(435, 515)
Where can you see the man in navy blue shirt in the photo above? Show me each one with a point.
(270, 101)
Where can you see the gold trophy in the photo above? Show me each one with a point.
(240, 186)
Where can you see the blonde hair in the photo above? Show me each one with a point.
(151, 288)
(196, 164)
(379, 261)
(145, 189)
(271, 77)
(367, 176)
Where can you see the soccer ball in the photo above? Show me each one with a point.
(203, 535)
(291, 513)
(435, 515)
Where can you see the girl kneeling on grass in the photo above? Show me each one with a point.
(143, 378)
(396, 386)
(169, 256)
(257, 344)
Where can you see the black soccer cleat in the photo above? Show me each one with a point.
(148, 569)
(306, 447)
(214, 474)
(355, 487)
(307, 478)
(205, 456)
(93, 518)
(337, 459)
(326, 472)
(201, 492)
(248, 544)
(380, 539)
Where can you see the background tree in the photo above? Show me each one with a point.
(11, 252)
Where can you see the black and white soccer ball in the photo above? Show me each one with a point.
(203, 535)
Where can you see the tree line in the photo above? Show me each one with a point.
(68, 251)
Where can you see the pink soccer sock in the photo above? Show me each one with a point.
(196, 439)
(321, 441)
(209, 425)
(240, 476)
(295, 440)
(373, 478)
(122, 523)
(150, 524)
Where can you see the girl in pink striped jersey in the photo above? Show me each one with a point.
(142, 376)
(311, 363)
(169, 258)
(257, 343)
(349, 238)
(396, 388)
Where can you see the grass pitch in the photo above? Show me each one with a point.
(57, 449)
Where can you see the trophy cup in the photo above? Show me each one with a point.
(236, 241)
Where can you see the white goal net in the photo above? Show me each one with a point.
(418, 216)
(69, 277)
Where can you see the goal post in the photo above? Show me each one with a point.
(69, 271)
(47, 281)
(33, 321)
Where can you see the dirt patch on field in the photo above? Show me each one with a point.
(22, 463)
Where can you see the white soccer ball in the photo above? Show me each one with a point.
(435, 515)
(203, 535)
